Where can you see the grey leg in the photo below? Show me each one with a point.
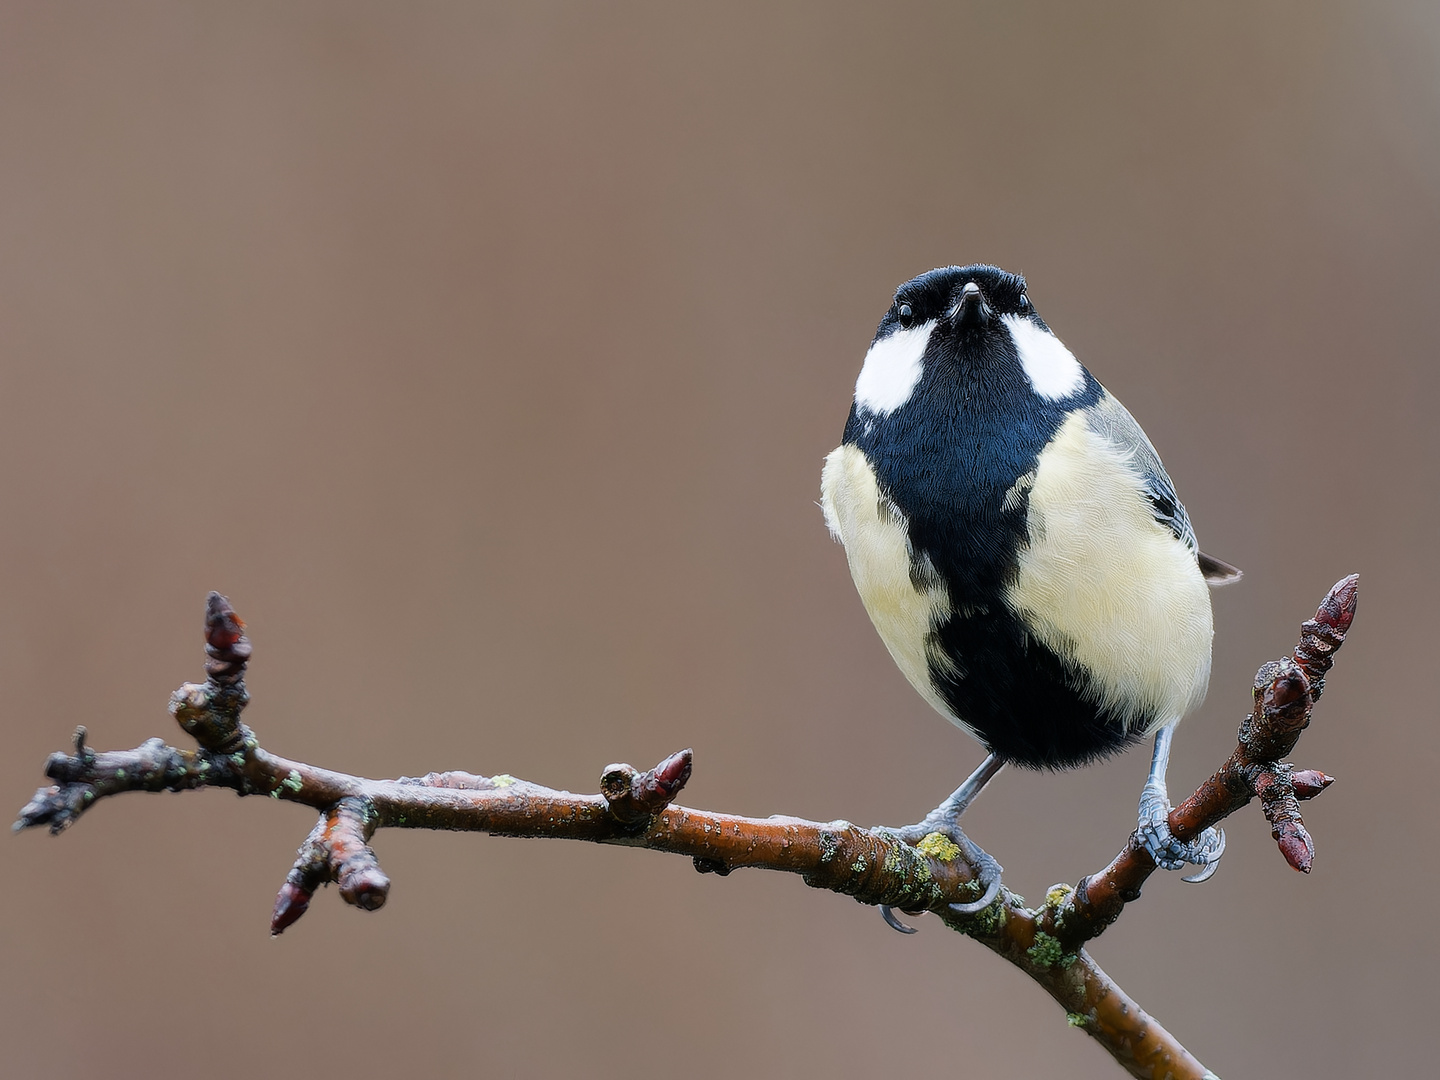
(1154, 827)
(945, 819)
(948, 812)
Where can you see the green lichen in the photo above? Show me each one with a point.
(119, 774)
(894, 858)
(987, 922)
(1076, 1019)
(503, 780)
(939, 846)
(1056, 894)
(859, 865)
(829, 845)
(292, 782)
(1046, 952)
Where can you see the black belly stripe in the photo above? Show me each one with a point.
(1025, 703)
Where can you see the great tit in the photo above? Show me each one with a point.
(1018, 545)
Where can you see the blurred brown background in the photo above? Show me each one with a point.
(486, 358)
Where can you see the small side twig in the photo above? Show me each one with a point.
(337, 849)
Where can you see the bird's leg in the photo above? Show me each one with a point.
(1154, 828)
(947, 814)
(945, 819)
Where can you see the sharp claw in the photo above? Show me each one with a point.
(992, 890)
(1212, 861)
(1203, 875)
(892, 920)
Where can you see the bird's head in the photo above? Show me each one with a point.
(958, 301)
(974, 324)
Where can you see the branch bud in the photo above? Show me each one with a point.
(636, 797)
(1309, 783)
(366, 885)
(1322, 635)
(225, 640)
(292, 902)
(1295, 844)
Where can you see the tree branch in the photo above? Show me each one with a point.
(634, 808)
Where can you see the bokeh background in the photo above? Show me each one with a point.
(486, 357)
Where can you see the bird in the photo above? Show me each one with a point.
(1019, 547)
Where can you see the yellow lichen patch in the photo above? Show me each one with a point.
(895, 860)
(939, 846)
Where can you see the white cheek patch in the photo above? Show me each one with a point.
(892, 370)
(1051, 368)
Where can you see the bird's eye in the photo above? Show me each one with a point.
(906, 314)
(1024, 302)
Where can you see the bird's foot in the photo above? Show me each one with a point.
(987, 874)
(1169, 853)
(988, 871)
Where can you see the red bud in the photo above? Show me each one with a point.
(1308, 783)
(1287, 689)
(223, 628)
(1338, 610)
(672, 773)
(292, 902)
(367, 888)
(1296, 846)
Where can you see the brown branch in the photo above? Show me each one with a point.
(634, 808)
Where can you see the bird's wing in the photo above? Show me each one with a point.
(1112, 422)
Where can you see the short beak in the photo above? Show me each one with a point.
(971, 312)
